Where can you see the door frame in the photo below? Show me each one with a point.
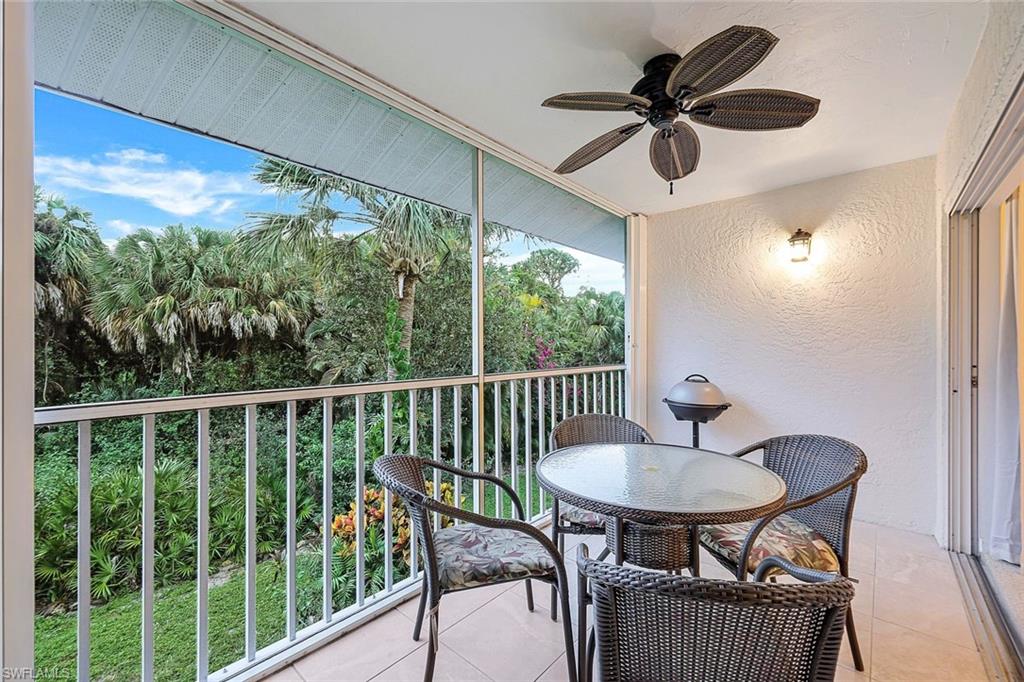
(1002, 151)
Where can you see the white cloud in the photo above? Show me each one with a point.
(180, 192)
(125, 227)
(223, 207)
(133, 155)
(122, 226)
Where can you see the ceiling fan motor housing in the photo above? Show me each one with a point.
(664, 109)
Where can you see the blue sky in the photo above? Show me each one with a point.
(131, 173)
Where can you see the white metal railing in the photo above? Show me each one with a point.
(529, 403)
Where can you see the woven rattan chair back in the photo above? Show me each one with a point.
(597, 428)
(653, 626)
(403, 476)
(810, 463)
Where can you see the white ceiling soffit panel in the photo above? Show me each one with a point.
(164, 62)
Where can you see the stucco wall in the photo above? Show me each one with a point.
(992, 79)
(844, 345)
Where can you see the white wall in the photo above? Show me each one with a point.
(991, 80)
(844, 345)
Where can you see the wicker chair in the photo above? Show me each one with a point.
(481, 551)
(659, 547)
(654, 626)
(813, 528)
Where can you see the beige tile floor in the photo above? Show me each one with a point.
(910, 618)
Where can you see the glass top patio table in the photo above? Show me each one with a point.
(660, 484)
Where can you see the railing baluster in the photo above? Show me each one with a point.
(540, 435)
(622, 393)
(250, 532)
(360, 499)
(414, 559)
(203, 546)
(290, 540)
(479, 454)
(604, 392)
(529, 448)
(148, 517)
(586, 395)
(84, 544)
(593, 387)
(389, 541)
(457, 442)
(436, 447)
(513, 436)
(565, 399)
(553, 422)
(497, 447)
(575, 396)
(327, 503)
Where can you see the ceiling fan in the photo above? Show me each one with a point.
(672, 86)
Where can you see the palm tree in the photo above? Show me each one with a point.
(66, 246)
(406, 235)
(66, 243)
(599, 321)
(178, 289)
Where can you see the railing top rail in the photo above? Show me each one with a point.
(545, 373)
(134, 408)
(60, 414)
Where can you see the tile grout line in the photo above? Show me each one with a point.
(422, 647)
(467, 662)
(545, 671)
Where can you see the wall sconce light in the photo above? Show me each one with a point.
(800, 246)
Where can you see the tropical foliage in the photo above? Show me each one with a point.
(355, 284)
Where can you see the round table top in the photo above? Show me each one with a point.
(667, 484)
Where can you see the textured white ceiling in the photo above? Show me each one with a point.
(887, 75)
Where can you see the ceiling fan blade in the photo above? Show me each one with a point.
(675, 152)
(720, 60)
(598, 147)
(755, 110)
(598, 101)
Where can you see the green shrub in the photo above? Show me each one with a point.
(116, 509)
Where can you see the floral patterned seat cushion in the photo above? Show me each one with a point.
(569, 514)
(784, 536)
(469, 555)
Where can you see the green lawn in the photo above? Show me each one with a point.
(115, 652)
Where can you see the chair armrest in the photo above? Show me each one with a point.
(520, 510)
(750, 448)
(807, 575)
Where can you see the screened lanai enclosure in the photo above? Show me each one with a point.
(260, 529)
